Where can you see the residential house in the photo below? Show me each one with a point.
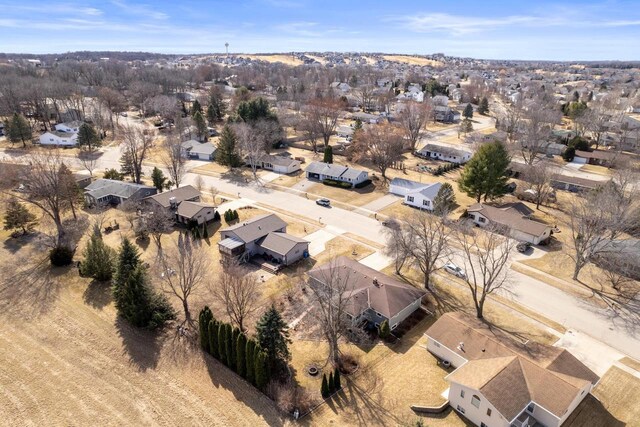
(440, 100)
(514, 218)
(104, 191)
(574, 184)
(500, 382)
(416, 194)
(83, 179)
(371, 296)
(622, 256)
(265, 236)
(445, 153)
(69, 127)
(173, 198)
(189, 212)
(198, 150)
(344, 131)
(600, 158)
(445, 114)
(321, 171)
(342, 87)
(367, 118)
(59, 139)
(279, 164)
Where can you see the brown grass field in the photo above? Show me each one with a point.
(412, 60)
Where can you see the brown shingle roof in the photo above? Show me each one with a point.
(190, 209)
(181, 194)
(388, 297)
(510, 217)
(508, 373)
(280, 243)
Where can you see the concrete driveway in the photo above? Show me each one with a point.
(377, 261)
(380, 203)
(597, 356)
(318, 240)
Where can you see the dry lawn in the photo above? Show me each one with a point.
(615, 403)
(285, 59)
(632, 363)
(412, 60)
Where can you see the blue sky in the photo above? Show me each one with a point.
(568, 30)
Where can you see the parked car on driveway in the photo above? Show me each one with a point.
(323, 202)
(451, 268)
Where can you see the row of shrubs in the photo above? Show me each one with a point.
(231, 215)
(334, 183)
(233, 348)
(331, 385)
(445, 168)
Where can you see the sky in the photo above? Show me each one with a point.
(518, 29)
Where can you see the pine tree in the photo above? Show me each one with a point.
(214, 327)
(385, 331)
(211, 115)
(235, 333)
(98, 258)
(222, 347)
(226, 153)
(126, 165)
(336, 379)
(485, 175)
(468, 112)
(201, 126)
(331, 384)
(445, 200)
(88, 138)
(196, 108)
(262, 370)
(203, 327)
(158, 179)
(113, 174)
(483, 108)
(228, 346)
(241, 356)
(128, 260)
(17, 216)
(328, 154)
(19, 130)
(324, 388)
(273, 337)
(250, 356)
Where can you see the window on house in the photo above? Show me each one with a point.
(460, 409)
(530, 408)
(488, 412)
(461, 393)
(409, 198)
(475, 401)
(481, 219)
(426, 202)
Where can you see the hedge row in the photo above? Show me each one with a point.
(334, 183)
(445, 168)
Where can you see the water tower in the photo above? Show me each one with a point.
(226, 46)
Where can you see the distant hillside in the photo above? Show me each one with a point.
(90, 55)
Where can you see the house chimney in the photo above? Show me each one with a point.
(172, 202)
(375, 282)
(461, 346)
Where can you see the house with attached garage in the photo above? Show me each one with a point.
(198, 150)
(445, 153)
(173, 198)
(110, 191)
(513, 218)
(184, 203)
(416, 194)
(59, 139)
(501, 382)
(69, 127)
(279, 164)
(321, 171)
(198, 212)
(264, 236)
(372, 296)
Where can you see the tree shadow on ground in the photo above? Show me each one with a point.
(15, 244)
(140, 345)
(29, 290)
(97, 294)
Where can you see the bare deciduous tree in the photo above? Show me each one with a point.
(485, 255)
(199, 183)
(238, 291)
(250, 145)
(539, 119)
(322, 115)
(156, 222)
(539, 179)
(174, 159)
(213, 192)
(136, 143)
(413, 119)
(185, 268)
(381, 145)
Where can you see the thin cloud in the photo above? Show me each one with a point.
(139, 10)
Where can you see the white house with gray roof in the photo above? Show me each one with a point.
(321, 171)
(104, 191)
(59, 139)
(69, 127)
(445, 153)
(279, 164)
(198, 150)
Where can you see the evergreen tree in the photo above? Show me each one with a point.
(255, 109)
(88, 138)
(250, 356)
(17, 216)
(211, 115)
(273, 337)
(201, 126)
(19, 130)
(214, 327)
(158, 179)
(226, 153)
(196, 108)
(568, 154)
(203, 327)
(385, 331)
(483, 108)
(98, 258)
(222, 346)
(113, 174)
(468, 112)
(228, 346)
(336, 379)
(324, 388)
(328, 154)
(235, 333)
(485, 175)
(331, 384)
(241, 356)
(126, 165)
(357, 126)
(261, 370)
(445, 200)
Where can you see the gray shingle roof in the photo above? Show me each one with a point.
(256, 227)
(189, 209)
(181, 194)
(109, 187)
(280, 243)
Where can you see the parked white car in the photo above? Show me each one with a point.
(451, 268)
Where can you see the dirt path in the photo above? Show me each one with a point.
(69, 361)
